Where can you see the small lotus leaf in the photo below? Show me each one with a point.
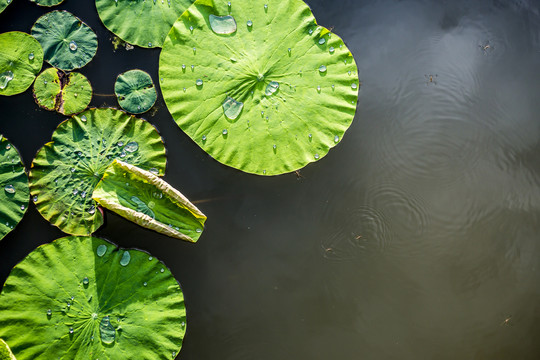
(135, 91)
(147, 200)
(4, 4)
(141, 22)
(5, 351)
(83, 298)
(21, 59)
(66, 170)
(68, 42)
(47, 3)
(258, 85)
(14, 192)
(66, 93)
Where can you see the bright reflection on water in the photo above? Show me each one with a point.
(417, 237)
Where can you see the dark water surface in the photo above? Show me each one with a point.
(417, 237)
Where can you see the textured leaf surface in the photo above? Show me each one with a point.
(4, 4)
(21, 58)
(48, 2)
(68, 43)
(66, 170)
(14, 192)
(244, 97)
(104, 302)
(141, 22)
(5, 351)
(135, 91)
(147, 200)
(66, 93)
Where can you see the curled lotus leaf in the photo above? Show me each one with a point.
(84, 298)
(144, 198)
(14, 192)
(21, 59)
(141, 22)
(67, 93)
(47, 3)
(258, 85)
(135, 91)
(68, 43)
(66, 170)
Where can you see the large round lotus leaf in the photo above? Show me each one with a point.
(84, 298)
(14, 192)
(68, 43)
(48, 2)
(5, 351)
(66, 93)
(21, 58)
(261, 88)
(135, 91)
(66, 170)
(141, 22)
(4, 4)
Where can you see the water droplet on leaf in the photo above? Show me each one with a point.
(101, 250)
(126, 258)
(131, 147)
(9, 189)
(232, 108)
(222, 24)
(106, 331)
(271, 88)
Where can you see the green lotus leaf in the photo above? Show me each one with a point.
(84, 298)
(66, 93)
(263, 88)
(147, 200)
(4, 4)
(47, 3)
(141, 22)
(14, 192)
(135, 91)
(66, 170)
(21, 59)
(5, 351)
(68, 43)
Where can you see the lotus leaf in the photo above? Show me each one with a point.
(141, 22)
(14, 192)
(263, 89)
(48, 2)
(5, 351)
(4, 4)
(84, 298)
(66, 93)
(21, 59)
(68, 43)
(147, 200)
(66, 170)
(135, 91)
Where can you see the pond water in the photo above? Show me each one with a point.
(417, 237)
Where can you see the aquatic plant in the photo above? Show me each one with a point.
(21, 59)
(67, 93)
(47, 3)
(259, 87)
(142, 23)
(135, 91)
(14, 192)
(66, 170)
(4, 4)
(85, 298)
(5, 351)
(68, 42)
(144, 198)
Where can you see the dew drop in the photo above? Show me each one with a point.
(199, 82)
(22, 207)
(222, 24)
(106, 331)
(183, 66)
(322, 69)
(198, 230)
(225, 132)
(310, 31)
(83, 118)
(31, 56)
(322, 41)
(101, 250)
(86, 281)
(35, 198)
(331, 49)
(319, 88)
(150, 258)
(274, 147)
(191, 28)
(92, 210)
(149, 44)
(232, 108)
(126, 258)
(154, 171)
(5, 78)
(120, 143)
(354, 86)
(249, 23)
(162, 270)
(316, 156)
(73, 46)
(131, 147)
(271, 88)
(71, 331)
(145, 283)
(8, 146)
(204, 138)
(310, 136)
(265, 7)
(289, 51)
(9, 189)
(336, 139)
